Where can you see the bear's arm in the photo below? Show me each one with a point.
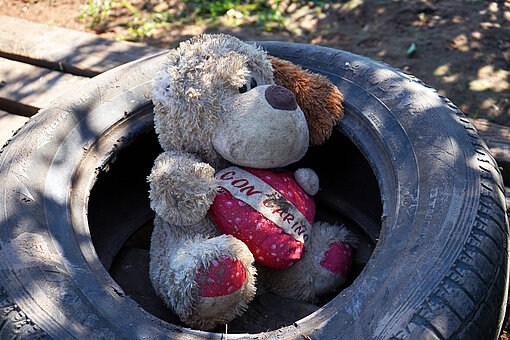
(182, 188)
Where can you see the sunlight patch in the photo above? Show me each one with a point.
(490, 79)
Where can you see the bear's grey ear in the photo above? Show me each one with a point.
(319, 99)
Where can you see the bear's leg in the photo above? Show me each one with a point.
(205, 281)
(323, 267)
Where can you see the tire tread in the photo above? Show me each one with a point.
(15, 323)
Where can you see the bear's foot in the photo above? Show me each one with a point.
(222, 277)
(206, 282)
(222, 293)
(323, 268)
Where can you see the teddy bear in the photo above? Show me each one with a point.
(224, 108)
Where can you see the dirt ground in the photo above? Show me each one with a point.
(461, 48)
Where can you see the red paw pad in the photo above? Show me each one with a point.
(338, 259)
(268, 211)
(223, 277)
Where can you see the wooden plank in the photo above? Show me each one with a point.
(25, 88)
(73, 51)
(507, 199)
(9, 123)
(497, 138)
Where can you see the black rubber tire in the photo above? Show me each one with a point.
(439, 270)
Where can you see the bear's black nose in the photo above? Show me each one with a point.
(280, 98)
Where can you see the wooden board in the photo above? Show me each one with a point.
(497, 138)
(25, 88)
(59, 48)
(507, 198)
(9, 123)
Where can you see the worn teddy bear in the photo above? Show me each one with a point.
(220, 102)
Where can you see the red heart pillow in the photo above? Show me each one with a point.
(266, 210)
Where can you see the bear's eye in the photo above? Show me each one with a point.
(243, 89)
(253, 83)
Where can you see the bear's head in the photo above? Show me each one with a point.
(223, 99)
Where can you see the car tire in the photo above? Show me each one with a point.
(439, 268)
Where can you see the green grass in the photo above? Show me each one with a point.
(96, 12)
(143, 23)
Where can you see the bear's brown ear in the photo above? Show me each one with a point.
(319, 99)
